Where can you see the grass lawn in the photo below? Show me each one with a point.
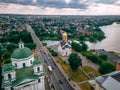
(77, 76)
(89, 69)
(85, 86)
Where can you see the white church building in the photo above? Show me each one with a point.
(64, 47)
(24, 72)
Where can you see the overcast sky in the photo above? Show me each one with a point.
(60, 7)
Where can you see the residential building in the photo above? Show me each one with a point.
(109, 81)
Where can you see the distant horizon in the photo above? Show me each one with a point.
(54, 15)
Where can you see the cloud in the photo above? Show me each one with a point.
(107, 1)
(49, 3)
(78, 4)
(117, 3)
(61, 7)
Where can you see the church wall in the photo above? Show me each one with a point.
(12, 75)
(35, 68)
(32, 86)
(59, 48)
(41, 85)
(5, 76)
(63, 53)
(20, 62)
(69, 51)
(66, 52)
(7, 88)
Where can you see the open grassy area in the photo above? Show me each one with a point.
(85, 86)
(90, 70)
(77, 76)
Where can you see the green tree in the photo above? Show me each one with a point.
(30, 45)
(16, 36)
(94, 58)
(103, 56)
(75, 61)
(6, 55)
(54, 53)
(11, 47)
(44, 44)
(76, 47)
(84, 46)
(82, 37)
(0, 52)
(7, 61)
(106, 67)
(92, 39)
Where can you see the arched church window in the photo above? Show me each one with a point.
(24, 65)
(38, 69)
(39, 80)
(9, 76)
(15, 64)
(12, 88)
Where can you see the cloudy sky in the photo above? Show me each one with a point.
(60, 7)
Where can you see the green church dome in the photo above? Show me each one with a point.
(21, 53)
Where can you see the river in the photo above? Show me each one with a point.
(110, 43)
(112, 40)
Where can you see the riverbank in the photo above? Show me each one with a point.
(110, 43)
(112, 40)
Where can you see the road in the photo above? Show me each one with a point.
(56, 74)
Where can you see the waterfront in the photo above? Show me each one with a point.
(110, 43)
(112, 40)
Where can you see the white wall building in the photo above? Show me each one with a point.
(24, 73)
(64, 47)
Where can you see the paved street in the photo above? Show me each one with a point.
(56, 74)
